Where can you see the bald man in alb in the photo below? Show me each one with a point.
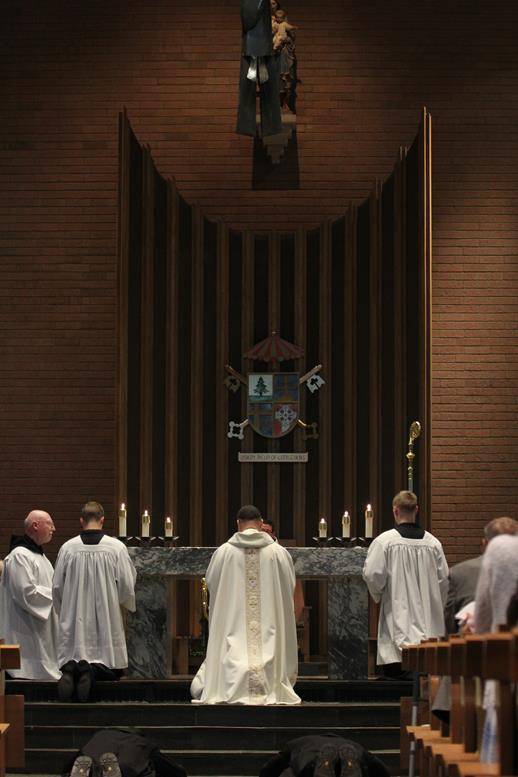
(26, 614)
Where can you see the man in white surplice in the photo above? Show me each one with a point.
(94, 578)
(252, 648)
(406, 571)
(26, 615)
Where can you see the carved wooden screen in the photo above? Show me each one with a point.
(194, 296)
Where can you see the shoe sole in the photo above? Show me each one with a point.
(82, 766)
(110, 765)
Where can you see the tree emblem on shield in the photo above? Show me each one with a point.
(273, 402)
(273, 399)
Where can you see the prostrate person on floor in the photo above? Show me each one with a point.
(406, 571)
(26, 615)
(324, 756)
(252, 648)
(94, 578)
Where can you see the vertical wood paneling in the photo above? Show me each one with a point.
(387, 361)
(222, 356)
(183, 385)
(413, 276)
(350, 368)
(374, 353)
(274, 303)
(425, 315)
(400, 370)
(325, 355)
(172, 375)
(247, 329)
(363, 362)
(235, 347)
(160, 306)
(146, 343)
(123, 237)
(299, 474)
(211, 370)
(132, 376)
(313, 279)
(260, 330)
(287, 328)
(335, 372)
(197, 377)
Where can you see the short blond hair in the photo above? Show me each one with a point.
(405, 501)
(502, 525)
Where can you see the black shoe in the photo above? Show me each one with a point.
(66, 681)
(84, 681)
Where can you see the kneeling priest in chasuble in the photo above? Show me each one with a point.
(252, 647)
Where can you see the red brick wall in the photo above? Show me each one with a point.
(366, 70)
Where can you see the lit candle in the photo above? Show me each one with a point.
(322, 528)
(369, 522)
(168, 527)
(123, 531)
(346, 524)
(145, 524)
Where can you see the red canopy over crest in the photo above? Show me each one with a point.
(274, 349)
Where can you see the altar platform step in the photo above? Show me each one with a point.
(177, 690)
(216, 738)
(142, 714)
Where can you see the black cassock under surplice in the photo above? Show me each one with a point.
(257, 44)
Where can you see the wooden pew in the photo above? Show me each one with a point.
(12, 729)
(468, 661)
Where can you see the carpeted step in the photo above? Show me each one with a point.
(180, 714)
(196, 762)
(190, 738)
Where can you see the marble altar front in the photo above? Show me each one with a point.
(148, 632)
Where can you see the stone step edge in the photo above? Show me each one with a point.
(153, 727)
(188, 705)
(189, 753)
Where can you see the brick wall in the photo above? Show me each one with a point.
(366, 70)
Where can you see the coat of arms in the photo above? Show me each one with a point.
(273, 401)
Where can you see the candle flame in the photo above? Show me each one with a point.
(123, 506)
(369, 507)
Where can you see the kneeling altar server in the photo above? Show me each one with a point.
(26, 615)
(252, 648)
(94, 578)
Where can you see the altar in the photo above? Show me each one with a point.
(148, 629)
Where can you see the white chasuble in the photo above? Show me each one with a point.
(252, 647)
(91, 584)
(26, 615)
(410, 579)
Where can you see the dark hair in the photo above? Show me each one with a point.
(269, 522)
(92, 511)
(249, 513)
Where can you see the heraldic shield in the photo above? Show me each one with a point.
(273, 402)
